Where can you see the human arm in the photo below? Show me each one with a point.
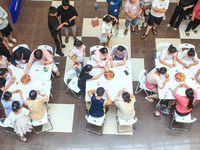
(193, 15)
(84, 54)
(174, 61)
(159, 10)
(109, 101)
(60, 26)
(10, 71)
(187, 7)
(90, 92)
(163, 84)
(20, 93)
(38, 92)
(193, 64)
(128, 14)
(73, 59)
(196, 76)
(165, 63)
(121, 63)
(28, 67)
(74, 17)
(95, 77)
(107, 5)
(59, 19)
(7, 62)
(5, 88)
(187, 86)
(5, 14)
(180, 85)
(12, 60)
(45, 62)
(120, 10)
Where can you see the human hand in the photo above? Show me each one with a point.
(13, 77)
(106, 69)
(184, 8)
(120, 92)
(20, 91)
(167, 79)
(84, 54)
(192, 19)
(180, 85)
(111, 34)
(26, 71)
(185, 65)
(167, 75)
(18, 65)
(171, 65)
(133, 17)
(119, 15)
(65, 23)
(37, 91)
(1, 19)
(185, 84)
(112, 65)
(189, 66)
(9, 64)
(174, 64)
(106, 91)
(23, 60)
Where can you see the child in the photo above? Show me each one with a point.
(140, 19)
(77, 54)
(3, 61)
(146, 7)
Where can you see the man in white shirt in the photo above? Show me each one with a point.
(156, 15)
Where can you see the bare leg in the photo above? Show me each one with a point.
(6, 40)
(66, 33)
(108, 41)
(155, 25)
(74, 34)
(126, 28)
(101, 44)
(148, 28)
(133, 28)
(117, 26)
(172, 103)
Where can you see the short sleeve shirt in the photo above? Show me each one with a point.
(185, 56)
(159, 4)
(119, 56)
(98, 57)
(46, 56)
(53, 24)
(82, 81)
(3, 80)
(197, 10)
(67, 14)
(114, 6)
(78, 52)
(153, 78)
(165, 55)
(1, 42)
(131, 8)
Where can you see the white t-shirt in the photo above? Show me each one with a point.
(153, 78)
(165, 55)
(159, 4)
(105, 27)
(185, 56)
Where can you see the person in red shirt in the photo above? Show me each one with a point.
(184, 104)
(195, 20)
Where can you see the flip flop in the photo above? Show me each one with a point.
(125, 32)
(10, 45)
(149, 99)
(23, 139)
(187, 33)
(145, 35)
(154, 31)
(195, 31)
(134, 32)
(13, 40)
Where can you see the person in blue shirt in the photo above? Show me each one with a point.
(114, 8)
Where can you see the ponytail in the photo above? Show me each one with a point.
(86, 68)
(190, 95)
(191, 52)
(126, 97)
(161, 70)
(103, 50)
(172, 49)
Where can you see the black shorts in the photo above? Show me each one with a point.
(6, 31)
(115, 22)
(153, 19)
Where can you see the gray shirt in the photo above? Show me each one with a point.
(4, 21)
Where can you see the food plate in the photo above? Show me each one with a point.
(26, 79)
(109, 74)
(180, 77)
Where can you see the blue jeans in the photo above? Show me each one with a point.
(134, 22)
(79, 71)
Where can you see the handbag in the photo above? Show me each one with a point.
(76, 66)
(95, 22)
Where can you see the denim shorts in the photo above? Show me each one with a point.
(134, 22)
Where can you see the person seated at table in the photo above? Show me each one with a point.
(100, 54)
(168, 53)
(3, 74)
(22, 54)
(84, 76)
(3, 61)
(153, 82)
(7, 100)
(119, 53)
(36, 105)
(98, 104)
(196, 76)
(125, 109)
(43, 56)
(184, 104)
(188, 54)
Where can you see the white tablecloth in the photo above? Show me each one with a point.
(120, 81)
(172, 83)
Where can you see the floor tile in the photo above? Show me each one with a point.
(63, 123)
(137, 65)
(58, 3)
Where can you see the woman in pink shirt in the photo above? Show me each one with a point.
(184, 104)
(195, 20)
(100, 54)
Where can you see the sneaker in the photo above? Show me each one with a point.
(66, 39)
(175, 29)
(145, 25)
(75, 38)
(63, 46)
(139, 28)
(168, 25)
(60, 53)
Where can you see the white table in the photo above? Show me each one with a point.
(120, 81)
(172, 83)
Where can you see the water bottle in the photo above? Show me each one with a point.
(95, 6)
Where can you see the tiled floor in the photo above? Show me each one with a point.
(152, 133)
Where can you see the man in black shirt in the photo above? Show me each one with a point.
(68, 14)
(21, 54)
(4, 49)
(54, 27)
(3, 74)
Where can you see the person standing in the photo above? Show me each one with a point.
(5, 28)
(114, 8)
(131, 8)
(5, 50)
(68, 14)
(156, 15)
(54, 27)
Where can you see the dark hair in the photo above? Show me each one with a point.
(52, 10)
(2, 72)
(191, 52)
(33, 94)
(7, 95)
(162, 70)
(121, 48)
(86, 68)
(126, 97)
(15, 106)
(190, 95)
(18, 54)
(77, 43)
(107, 18)
(172, 49)
(100, 91)
(103, 50)
(1, 93)
(38, 54)
(65, 2)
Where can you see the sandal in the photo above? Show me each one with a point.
(145, 35)
(187, 33)
(149, 99)
(23, 139)
(195, 31)
(10, 45)
(125, 32)
(135, 33)
(13, 40)
(154, 31)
